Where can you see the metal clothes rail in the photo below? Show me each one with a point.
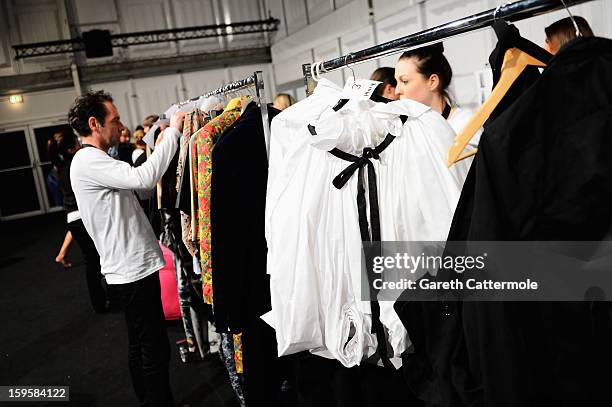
(518, 10)
(257, 81)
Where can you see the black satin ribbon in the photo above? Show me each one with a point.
(370, 236)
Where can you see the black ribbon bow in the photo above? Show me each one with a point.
(369, 236)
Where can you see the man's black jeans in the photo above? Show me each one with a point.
(149, 349)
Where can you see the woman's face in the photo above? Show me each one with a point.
(413, 85)
(551, 45)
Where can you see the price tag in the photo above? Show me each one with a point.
(361, 89)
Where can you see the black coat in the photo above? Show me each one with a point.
(241, 287)
(543, 172)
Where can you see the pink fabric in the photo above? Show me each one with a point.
(169, 289)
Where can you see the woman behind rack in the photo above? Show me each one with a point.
(386, 89)
(563, 31)
(424, 75)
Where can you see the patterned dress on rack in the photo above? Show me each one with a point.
(205, 141)
(193, 122)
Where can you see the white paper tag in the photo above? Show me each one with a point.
(361, 89)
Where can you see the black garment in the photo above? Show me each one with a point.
(149, 205)
(140, 160)
(326, 382)
(543, 172)
(241, 287)
(63, 178)
(97, 294)
(149, 349)
(168, 185)
(124, 152)
(263, 371)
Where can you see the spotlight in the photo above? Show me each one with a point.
(14, 99)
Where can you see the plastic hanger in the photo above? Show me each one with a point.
(515, 61)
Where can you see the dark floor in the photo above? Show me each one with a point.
(49, 335)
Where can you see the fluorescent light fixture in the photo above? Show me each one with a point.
(14, 99)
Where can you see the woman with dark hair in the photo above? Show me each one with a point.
(424, 75)
(67, 145)
(563, 31)
(386, 89)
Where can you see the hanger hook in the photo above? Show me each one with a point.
(318, 69)
(347, 64)
(313, 72)
(578, 32)
(499, 8)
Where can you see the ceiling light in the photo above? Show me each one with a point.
(14, 99)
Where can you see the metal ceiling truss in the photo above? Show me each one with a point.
(149, 37)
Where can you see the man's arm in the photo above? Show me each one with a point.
(117, 174)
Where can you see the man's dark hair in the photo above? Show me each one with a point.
(86, 106)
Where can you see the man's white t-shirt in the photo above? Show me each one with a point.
(104, 190)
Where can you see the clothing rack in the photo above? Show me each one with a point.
(256, 80)
(516, 11)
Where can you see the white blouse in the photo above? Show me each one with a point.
(459, 118)
(312, 228)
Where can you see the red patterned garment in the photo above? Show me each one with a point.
(206, 138)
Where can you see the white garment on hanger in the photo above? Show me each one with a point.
(211, 103)
(458, 119)
(312, 228)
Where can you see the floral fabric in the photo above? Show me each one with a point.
(204, 144)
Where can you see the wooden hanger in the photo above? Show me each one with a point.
(515, 62)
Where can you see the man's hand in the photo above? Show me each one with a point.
(177, 120)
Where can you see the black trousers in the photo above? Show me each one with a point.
(97, 293)
(149, 349)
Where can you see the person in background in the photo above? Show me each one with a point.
(125, 147)
(129, 252)
(61, 256)
(139, 127)
(563, 31)
(67, 146)
(282, 101)
(148, 122)
(386, 89)
(139, 155)
(424, 75)
(53, 183)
